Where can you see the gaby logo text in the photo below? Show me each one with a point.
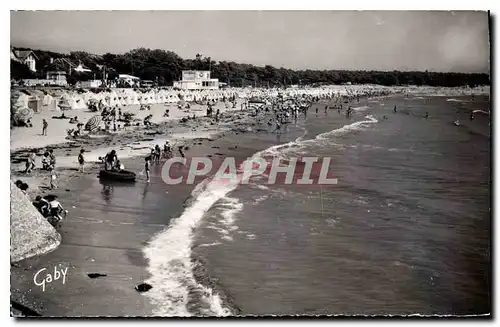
(44, 277)
(294, 171)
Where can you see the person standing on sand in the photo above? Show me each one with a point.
(278, 126)
(147, 167)
(81, 161)
(53, 178)
(44, 127)
(30, 162)
(52, 159)
(157, 153)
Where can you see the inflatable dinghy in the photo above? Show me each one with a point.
(124, 175)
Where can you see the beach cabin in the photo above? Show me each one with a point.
(197, 80)
(92, 84)
(147, 84)
(57, 77)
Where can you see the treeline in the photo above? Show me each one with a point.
(164, 67)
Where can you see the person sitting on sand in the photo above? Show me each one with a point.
(42, 205)
(56, 209)
(167, 113)
(426, 115)
(147, 121)
(22, 186)
(73, 120)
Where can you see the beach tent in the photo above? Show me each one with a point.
(93, 123)
(23, 114)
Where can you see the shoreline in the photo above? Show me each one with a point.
(22, 271)
(70, 176)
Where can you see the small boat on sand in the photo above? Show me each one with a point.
(124, 175)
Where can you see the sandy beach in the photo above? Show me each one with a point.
(113, 244)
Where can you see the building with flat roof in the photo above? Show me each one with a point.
(197, 80)
(128, 80)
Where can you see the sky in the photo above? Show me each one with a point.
(442, 41)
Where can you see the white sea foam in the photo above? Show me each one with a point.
(169, 252)
(260, 187)
(453, 100)
(169, 255)
(362, 108)
(231, 206)
(260, 199)
(210, 244)
(347, 128)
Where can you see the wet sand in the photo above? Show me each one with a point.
(106, 236)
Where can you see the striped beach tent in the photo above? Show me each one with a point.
(93, 124)
(23, 114)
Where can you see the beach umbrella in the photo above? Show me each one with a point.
(23, 114)
(93, 123)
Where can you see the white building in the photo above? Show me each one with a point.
(197, 80)
(27, 57)
(128, 80)
(89, 84)
(57, 78)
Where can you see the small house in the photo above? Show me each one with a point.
(26, 57)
